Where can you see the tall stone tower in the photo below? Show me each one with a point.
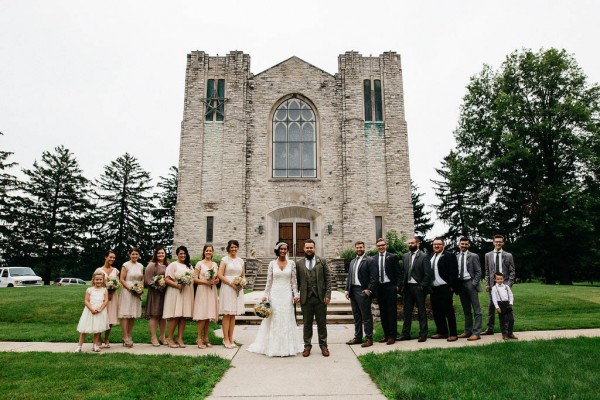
(292, 153)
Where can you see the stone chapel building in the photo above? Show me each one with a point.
(292, 153)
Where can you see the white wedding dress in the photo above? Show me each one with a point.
(277, 335)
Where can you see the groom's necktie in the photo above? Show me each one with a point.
(381, 267)
(462, 266)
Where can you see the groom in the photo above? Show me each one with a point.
(314, 284)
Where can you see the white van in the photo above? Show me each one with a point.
(19, 277)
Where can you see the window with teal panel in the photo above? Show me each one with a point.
(215, 100)
(373, 100)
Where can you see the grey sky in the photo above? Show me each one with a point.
(107, 77)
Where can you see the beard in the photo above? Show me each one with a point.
(309, 256)
(412, 248)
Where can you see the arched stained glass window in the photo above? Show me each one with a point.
(294, 140)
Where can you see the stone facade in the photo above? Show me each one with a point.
(226, 167)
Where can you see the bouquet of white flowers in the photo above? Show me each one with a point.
(159, 283)
(209, 275)
(263, 309)
(185, 279)
(240, 282)
(112, 283)
(137, 288)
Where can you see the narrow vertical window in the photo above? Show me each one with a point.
(378, 103)
(215, 100)
(368, 103)
(209, 229)
(378, 227)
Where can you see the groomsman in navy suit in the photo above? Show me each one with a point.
(501, 261)
(360, 290)
(443, 286)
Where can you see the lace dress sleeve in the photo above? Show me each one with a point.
(269, 281)
(294, 280)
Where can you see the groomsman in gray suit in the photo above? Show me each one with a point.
(469, 275)
(501, 261)
(360, 289)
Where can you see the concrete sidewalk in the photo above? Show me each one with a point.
(254, 376)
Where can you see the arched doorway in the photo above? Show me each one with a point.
(294, 225)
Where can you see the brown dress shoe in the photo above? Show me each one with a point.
(488, 331)
(504, 336)
(422, 339)
(474, 337)
(391, 341)
(382, 340)
(463, 335)
(439, 336)
(324, 351)
(512, 336)
(403, 337)
(452, 338)
(306, 352)
(353, 341)
(367, 343)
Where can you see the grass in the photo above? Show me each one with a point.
(51, 314)
(551, 369)
(82, 376)
(536, 307)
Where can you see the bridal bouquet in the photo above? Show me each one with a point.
(137, 288)
(159, 283)
(209, 275)
(184, 279)
(112, 284)
(263, 309)
(240, 282)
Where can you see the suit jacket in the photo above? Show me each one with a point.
(392, 267)
(368, 274)
(421, 269)
(323, 279)
(447, 268)
(508, 268)
(472, 266)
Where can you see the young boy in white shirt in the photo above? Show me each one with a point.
(502, 298)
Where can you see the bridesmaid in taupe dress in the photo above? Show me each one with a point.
(156, 297)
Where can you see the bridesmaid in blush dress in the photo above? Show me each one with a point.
(231, 301)
(206, 307)
(155, 300)
(130, 305)
(113, 299)
(179, 298)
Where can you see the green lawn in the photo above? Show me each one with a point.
(51, 314)
(552, 369)
(108, 376)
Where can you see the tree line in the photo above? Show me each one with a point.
(526, 165)
(58, 222)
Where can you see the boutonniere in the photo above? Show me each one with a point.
(387, 258)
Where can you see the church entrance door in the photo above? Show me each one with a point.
(294, 233)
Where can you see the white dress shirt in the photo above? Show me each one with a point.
(438, 281)
(501, 293)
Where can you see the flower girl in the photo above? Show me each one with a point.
(94, 318)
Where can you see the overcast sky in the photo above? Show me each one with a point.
(107, 77)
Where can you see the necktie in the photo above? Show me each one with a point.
(433, 261)
(462, 266)
(497, 261)
(381, 267)
(354, 270)
(310, 265)
(410, 262)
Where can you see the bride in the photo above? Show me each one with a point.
(277, 335)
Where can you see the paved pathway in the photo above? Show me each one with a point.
(338, 376)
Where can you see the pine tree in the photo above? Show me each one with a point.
(51, 221)
(8, 184)
(164, 215)
(422, 219)
(124, 205)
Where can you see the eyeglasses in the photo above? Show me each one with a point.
(381, 245)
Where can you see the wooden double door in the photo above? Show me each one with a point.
(294, 232)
